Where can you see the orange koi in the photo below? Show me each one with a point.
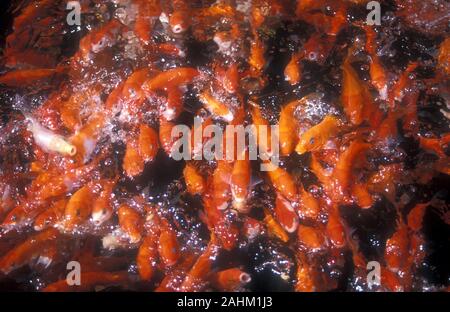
(221, 179)
(274, 228)
(230, 279)
(200, 271)
(292, 73)
(240, 181)
(102, 209)
(397, 248)
(78, 208)
(148, 142)
(168, 247)
(90, 281)
(171, 78)
(23, 77)
(310, 238)
(146, 258)
(195, 183)
(130, 222)
(282, 182)
(216, 107)
(28, 250)
(316, 137)
(51, 216)
(285, 214)
(133, 162)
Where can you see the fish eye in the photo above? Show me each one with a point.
(177, 29)
(312, 56)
